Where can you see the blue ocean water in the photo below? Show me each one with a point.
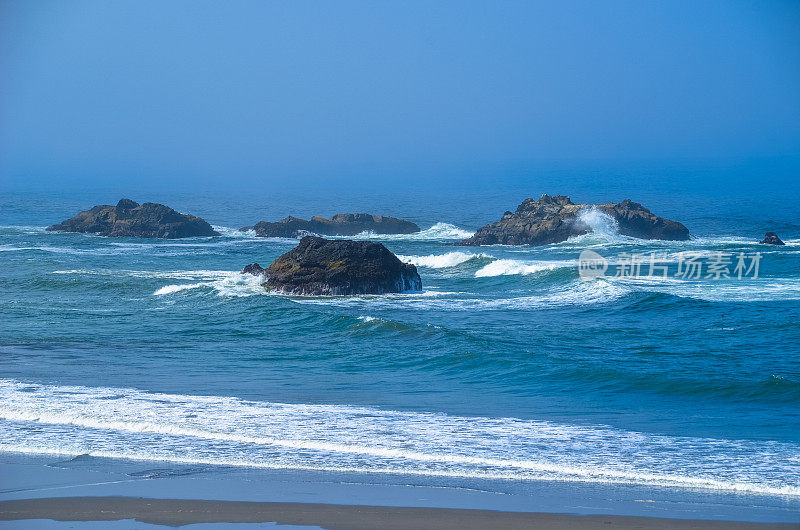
(506, 366)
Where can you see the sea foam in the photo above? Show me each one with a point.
(441, 261)
(438, 232)
(506, 267)
(218, 430)
(231, 284)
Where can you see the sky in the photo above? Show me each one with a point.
(267, 94)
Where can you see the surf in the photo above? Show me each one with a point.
(128, 423)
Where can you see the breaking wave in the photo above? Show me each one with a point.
(438, 232)
(441, 261)
(233, 284)
(508, 267)
(226, 231)
(218, 430)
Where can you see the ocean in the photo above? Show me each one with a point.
(507, 367)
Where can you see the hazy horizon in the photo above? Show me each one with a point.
(181, 95)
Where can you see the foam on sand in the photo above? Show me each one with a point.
(218, 430)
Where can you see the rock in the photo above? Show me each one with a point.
(320, 266)
(771, 238)
(255, 269)
(635, 220)
(556, 219)
(343, 224)
(130, 219)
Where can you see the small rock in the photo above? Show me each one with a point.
(255, 269)
(771, 238)
(343, 224)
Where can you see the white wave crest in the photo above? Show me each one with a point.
(173, 275)
(507, 267)
(129, 423)
(232, 284)
(169, 289)
(438, 232)
(577, 293)
(227, 231)
(729, 290)
(441, 261)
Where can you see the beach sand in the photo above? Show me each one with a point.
(38, 490)
(176, 512)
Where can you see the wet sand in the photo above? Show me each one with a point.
(176, 512)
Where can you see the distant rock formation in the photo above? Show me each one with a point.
(556, 219)
(771, 238)
(320, 266)
(343, 224)
(131, 219)
(255, 269)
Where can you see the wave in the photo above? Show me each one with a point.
(60, 250)
(226, 231)
(238, 235)
(232, 284)
(438, 232)
(133, 424)
(169, 289)
(441, 261)
(576, 293)
(731, 290)
(25, 229)
(175, 275)
(224, 283)
(508, 267)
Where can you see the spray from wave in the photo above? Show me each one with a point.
(603, 229)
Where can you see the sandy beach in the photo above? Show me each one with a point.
(177, 512)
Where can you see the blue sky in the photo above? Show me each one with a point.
(202, 93)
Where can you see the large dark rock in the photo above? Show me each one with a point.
(130, 219)
(771, 238)
(320, 266)
(556, 219)
(343, 224)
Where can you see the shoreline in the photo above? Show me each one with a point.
(25, 478)
(178, 512)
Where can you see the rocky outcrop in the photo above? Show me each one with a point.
(556, 219)
(771, 238)
(343, 224)
(131, 219)
(255, 269)
(320, 266)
